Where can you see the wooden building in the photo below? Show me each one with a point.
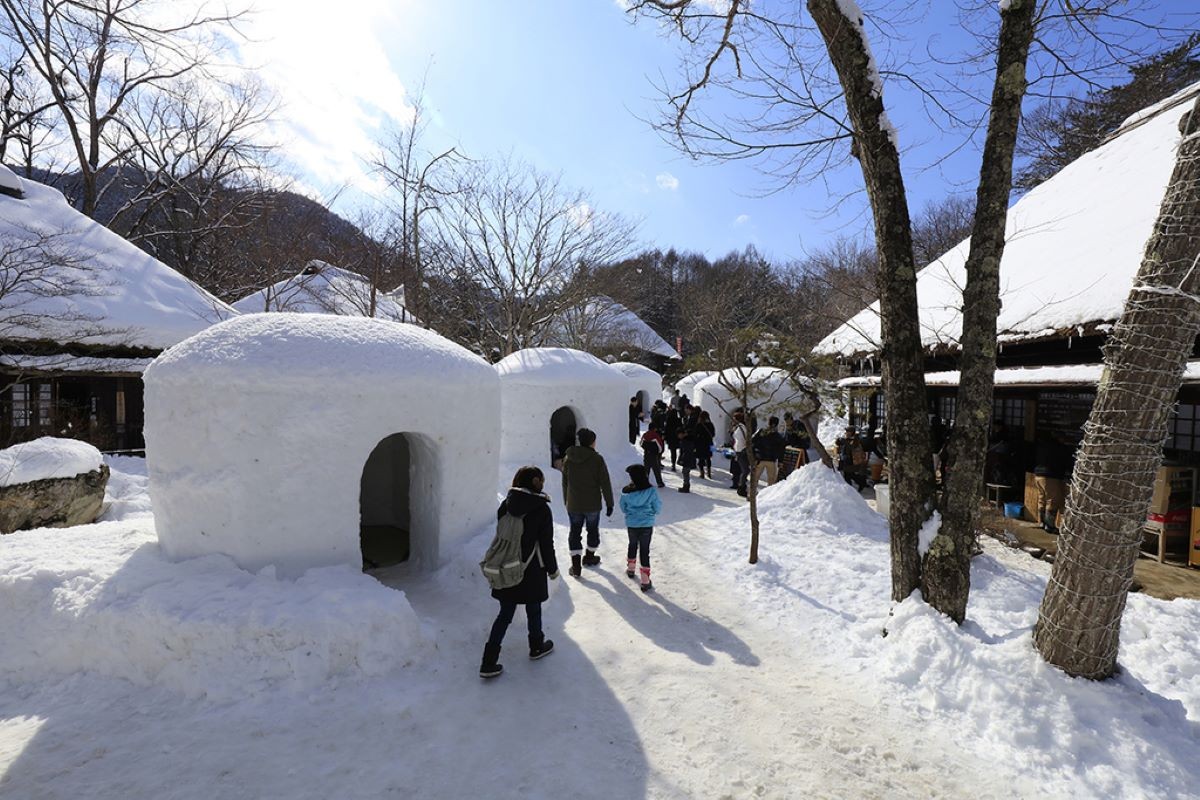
(82, 313)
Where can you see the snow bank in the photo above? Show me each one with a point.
(101, 598)
(642, 379)
(536, 382)
(127, 298)
(45, 458)
(824, 575)
(258, 431)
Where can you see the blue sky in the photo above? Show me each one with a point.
(567, 85)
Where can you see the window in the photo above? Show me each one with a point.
(20, 406)
(860, 405)
(1010, 411)
(879, 405)
(947, 406)
(44, 405)
(1183, 433)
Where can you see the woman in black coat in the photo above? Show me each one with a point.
(525, 500)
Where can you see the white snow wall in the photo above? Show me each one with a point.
(642, 379)
(537, 381)
(258, 429)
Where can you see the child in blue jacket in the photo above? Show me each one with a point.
(640, 504)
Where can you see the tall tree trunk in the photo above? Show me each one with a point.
(911, 462)
(1079, 623)
(946, 571)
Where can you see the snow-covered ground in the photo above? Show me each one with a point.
(124, 675)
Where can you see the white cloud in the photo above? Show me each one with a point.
(666, 180)
(741, 219)
(332, 76)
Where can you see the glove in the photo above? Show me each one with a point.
(553, 575)
(608, 511)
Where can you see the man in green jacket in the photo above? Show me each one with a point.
(585, 481)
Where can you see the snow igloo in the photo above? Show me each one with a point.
(644, 383)
(310, 440)
(771, 393)
(548, 393)
(688, 383)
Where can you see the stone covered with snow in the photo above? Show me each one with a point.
(46, 458)
(572, 390)
(258, 431)
(50, 482)
(644, 383)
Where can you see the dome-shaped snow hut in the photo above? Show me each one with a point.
(687, 384)
(769, 392)
(644, 383)
(549, 393)
(309, 440)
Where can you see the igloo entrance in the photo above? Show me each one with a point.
(392, 517)
(563, 425)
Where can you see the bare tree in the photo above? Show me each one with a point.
(1079, 622)
(96, 58)
(525, 241)
(420, 181)
(25, 130)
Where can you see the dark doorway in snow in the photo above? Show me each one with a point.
(384, 503)
(562, 434)
(643, 402)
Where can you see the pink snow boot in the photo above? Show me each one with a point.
(630, 566)
(646, 584)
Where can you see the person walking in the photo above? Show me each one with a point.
(852, 458)
(640, 505)
(741, 440)
(768, 447)
(671, 433)
(635, 419)
(1051, 465)
(652, 450)
(687, 453)
(585, 483)
(706, 436)
(527, 501)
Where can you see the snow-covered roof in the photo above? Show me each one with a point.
(75, 364)
(322, 288)
(555, 366)
(1074, 245)
(113, 293)
(1070, 375)
(316, 350)
(602, 322)
(10, 182)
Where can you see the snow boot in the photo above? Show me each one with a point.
(539, 647)
(685, 490)
(576, 568)
(646, 584)
(630, 567)
(490, 667)
(590, 559)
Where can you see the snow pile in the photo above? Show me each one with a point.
(824, 576)
(108, 291)
(258, 431)
(536, 382)
(1090, 221)
(687, 384)
(127, 494)
(108, 602)
(45, 458)
(322, 288)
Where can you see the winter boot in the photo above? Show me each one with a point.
(576, 565)
(646, 584)
(490, 667)
(539, 646)
(590, 559)
(630, 567)
(1048, 522)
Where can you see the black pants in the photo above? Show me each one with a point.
(705, 460)
(654, 465)
(674, 448)
(639, 544)
(533, 612)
